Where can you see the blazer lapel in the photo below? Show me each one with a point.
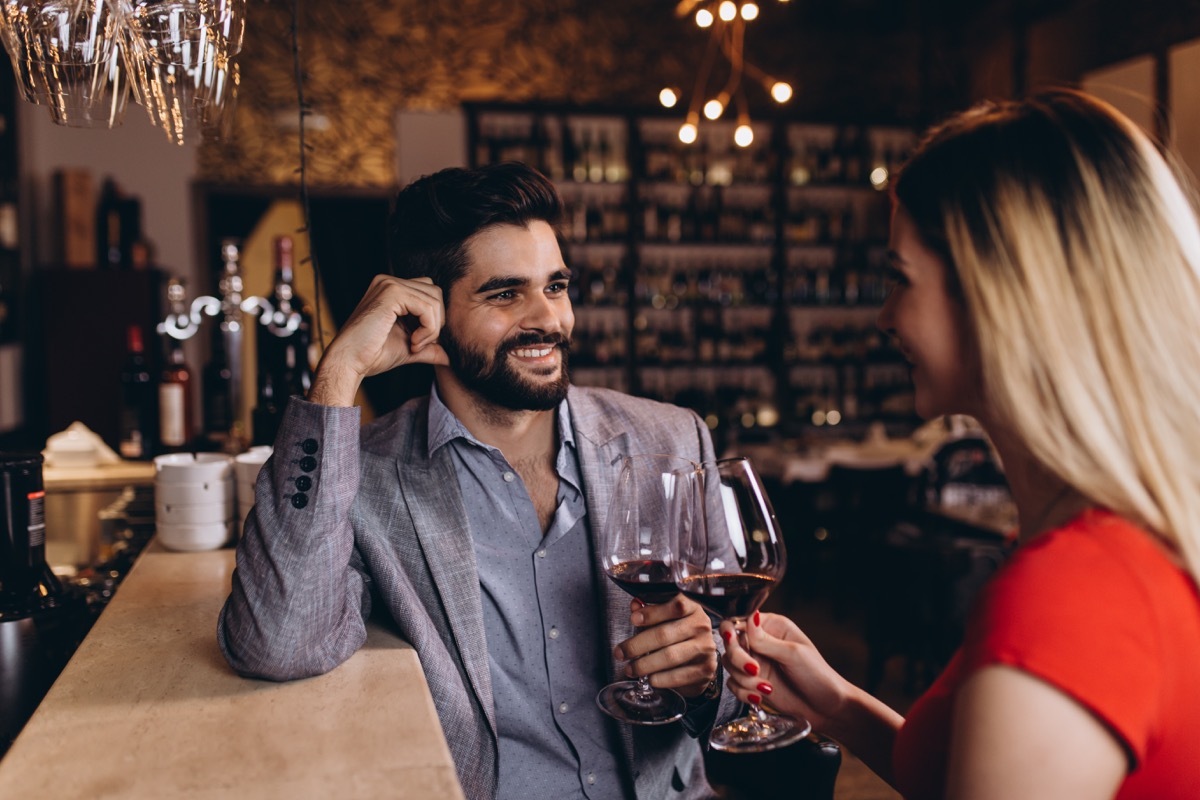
(431, 491)
(600, 445)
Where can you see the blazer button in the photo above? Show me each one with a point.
(309, 446)
(299, 500)
(308, 463)
(304, 483)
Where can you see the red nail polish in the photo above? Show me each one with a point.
(727, 636)
(754, 699)
(757, 620)
(751, 668)
(765, 688)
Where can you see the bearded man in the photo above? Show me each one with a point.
(471, 515)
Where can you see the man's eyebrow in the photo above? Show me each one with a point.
(501, 282)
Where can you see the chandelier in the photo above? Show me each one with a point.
(82, 59)
(726, 21)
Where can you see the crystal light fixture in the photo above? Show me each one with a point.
(83, 59)
(726, 22)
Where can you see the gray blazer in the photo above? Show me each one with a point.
(378, 518)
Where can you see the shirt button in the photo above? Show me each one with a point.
(309, 446)
(308, 463)
(541, 553)
(554, 633)
(509, 477)
(299, 500)
(562, 708)
(303, 483)
(591, 777)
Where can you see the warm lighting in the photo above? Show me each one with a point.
(727, 20)
(833, 417)
(668, 97)
(879, 178)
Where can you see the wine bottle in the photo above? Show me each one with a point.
(283, 360)
(175, 401)
(139, 413)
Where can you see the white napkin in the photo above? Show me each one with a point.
(78, 446)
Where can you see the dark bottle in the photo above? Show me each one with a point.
(283, 343)
(217, 382)
(175, 416)
(118, 227)
(139, 409)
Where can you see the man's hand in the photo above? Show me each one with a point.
(675, 647)
(397, 322)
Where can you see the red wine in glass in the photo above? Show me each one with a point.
(729, 596)
(648, 580)
(728, 561)
(651, 500)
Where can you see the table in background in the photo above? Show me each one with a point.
(148, 708)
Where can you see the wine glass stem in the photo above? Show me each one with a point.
(644, 689)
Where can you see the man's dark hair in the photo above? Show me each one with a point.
(433, 217)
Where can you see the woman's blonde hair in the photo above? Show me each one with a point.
(1076, 250)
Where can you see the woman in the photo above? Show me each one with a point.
(1047, 265)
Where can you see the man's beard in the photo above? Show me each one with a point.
(499, 383)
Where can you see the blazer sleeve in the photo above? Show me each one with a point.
(300, 596)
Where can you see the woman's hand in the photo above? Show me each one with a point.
(784, 670)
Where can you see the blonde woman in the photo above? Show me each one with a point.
(1047, 266)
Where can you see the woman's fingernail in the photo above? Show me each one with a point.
(757, 620)
(754, 699)
(618, 654)
(638, 618)
(727, 636)
(765, 688)
(751, 668)
(638, 604)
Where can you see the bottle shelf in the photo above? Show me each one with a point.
(734, 281)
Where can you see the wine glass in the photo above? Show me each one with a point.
(728, 563)
(654, 496)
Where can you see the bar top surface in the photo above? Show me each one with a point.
(148, 708)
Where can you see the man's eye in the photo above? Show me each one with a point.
(893, 277)
(557, 287)
(507, 294)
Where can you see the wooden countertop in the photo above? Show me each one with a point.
(148, 708)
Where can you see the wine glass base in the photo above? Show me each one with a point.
(626, 701)
(756, 734)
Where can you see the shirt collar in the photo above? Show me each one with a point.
(445, 427)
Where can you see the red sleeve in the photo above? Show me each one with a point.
(1072, 609)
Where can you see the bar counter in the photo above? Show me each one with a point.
(148, 708)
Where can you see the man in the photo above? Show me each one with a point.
(471, 514)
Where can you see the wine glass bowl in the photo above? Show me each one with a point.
(728, 562)
(652, 506)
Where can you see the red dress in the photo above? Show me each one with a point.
(1096, 609)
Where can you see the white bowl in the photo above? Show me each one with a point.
(190, 538)
(176, 514)
(192, 468)
(249, 463)
(194, 493)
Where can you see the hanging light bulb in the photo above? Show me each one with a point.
(727, 10)
(704, 18)
(688, 132)
(749, 11)
(714, 108)
(781, 92)
(668, 97)
(743, 136)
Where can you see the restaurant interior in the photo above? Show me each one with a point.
(737, 274)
